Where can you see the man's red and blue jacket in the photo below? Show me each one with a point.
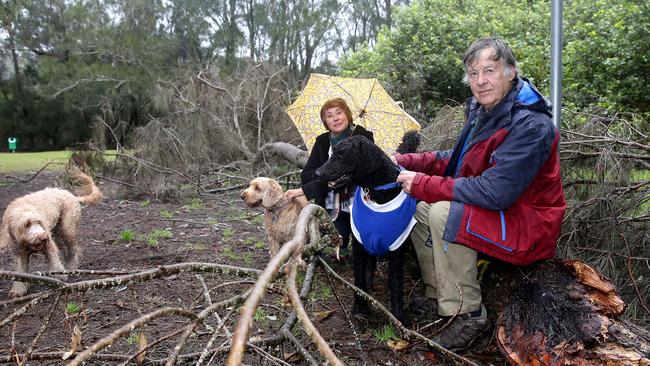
(502, 178)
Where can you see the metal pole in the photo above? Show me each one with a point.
(556, 60)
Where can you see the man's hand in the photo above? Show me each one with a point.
(406, 178)
(392, 158)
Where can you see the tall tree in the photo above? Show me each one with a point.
(9, 20)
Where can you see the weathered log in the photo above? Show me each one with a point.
(291, 153)
(562, 312)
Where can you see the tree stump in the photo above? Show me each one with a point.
(562, 312)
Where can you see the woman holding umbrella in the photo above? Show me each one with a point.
(337, 119)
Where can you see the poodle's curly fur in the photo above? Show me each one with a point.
(46, 221)
(280, 213)
(359, 161)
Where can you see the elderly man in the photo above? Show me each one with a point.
(498, 191)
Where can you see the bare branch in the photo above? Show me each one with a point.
(108, 340)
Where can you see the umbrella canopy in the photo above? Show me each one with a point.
(370, 104)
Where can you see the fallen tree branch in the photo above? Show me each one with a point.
(289, 152)
(143, 275)
(38, 356)
(199, 318)
(32, 278)
(409, 334)
(309, 327)
(108, 340)
(628, 262)
(33, 302)
(303, 225)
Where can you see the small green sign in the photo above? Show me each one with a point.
(13, 142)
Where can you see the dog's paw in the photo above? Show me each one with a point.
(18, 290)
(401, 316)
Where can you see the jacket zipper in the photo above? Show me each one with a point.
(503, 231)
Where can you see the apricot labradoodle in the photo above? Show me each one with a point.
(280, 213)
(46, 221)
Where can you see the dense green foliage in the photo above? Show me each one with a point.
(606, 57)
(607, 53)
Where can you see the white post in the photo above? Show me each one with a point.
(556, 60)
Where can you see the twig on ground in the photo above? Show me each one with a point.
(171, 360)
(33, 302)
(409, 334)
(215, 334)
(357, 340)
(42, 328)
(453, 317)
(307, 325)
(628, 262)
(150, 345)
(267, 355)
(300, 348)
(108, 340)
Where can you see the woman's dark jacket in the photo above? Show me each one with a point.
(312, 187)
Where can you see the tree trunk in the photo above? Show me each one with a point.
(250, 22)
(231, 45)
(290, 152)
(16, 63)
(562, 312)
(389, 14)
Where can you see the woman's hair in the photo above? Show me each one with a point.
(332, 103)
(502, 52)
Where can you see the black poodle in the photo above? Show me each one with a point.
(359, 161)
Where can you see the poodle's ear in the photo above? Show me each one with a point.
(272, 194)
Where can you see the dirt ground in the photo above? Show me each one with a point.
(128, 235)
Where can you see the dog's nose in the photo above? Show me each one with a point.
(242, 195)
(39, 242)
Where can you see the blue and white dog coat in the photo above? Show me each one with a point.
(382, 227)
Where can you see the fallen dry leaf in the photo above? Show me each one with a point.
(322, 315)
(398, 344)
(75, 342)
(293, 357)
(142, 344)
(431, 356)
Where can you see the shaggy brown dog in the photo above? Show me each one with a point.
(46, 221)
(280, 213)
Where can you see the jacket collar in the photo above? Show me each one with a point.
(523, 94)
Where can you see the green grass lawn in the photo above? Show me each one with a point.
(33, 161)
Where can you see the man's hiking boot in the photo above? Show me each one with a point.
(424, 309)
(464, 330)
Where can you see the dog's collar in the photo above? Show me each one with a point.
(277, 208)
(387, 186)
(275, 211)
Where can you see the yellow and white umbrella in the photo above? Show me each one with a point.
(370, 104)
